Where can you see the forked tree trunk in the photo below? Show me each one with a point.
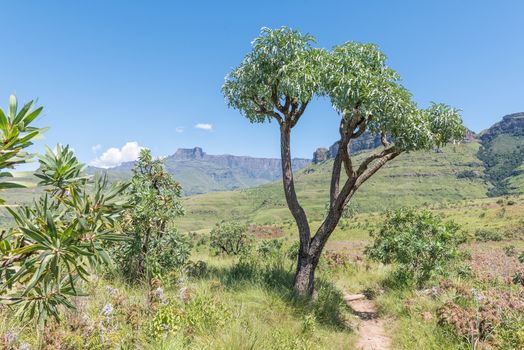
(311, 247)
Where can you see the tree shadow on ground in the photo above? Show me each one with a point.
(328, 305)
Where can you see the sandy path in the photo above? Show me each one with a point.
(372, 335)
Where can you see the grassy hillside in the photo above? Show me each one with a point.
(231, 305)
(414, 179)
(503, 155)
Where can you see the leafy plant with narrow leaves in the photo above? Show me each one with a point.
(60, 239)
(16, 135)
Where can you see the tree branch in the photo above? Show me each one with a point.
(276, 99)
(264, 110)
(351, 185)
(295, 115)
(335, 178)
(366, 162)
(376, 166)
(384, 139)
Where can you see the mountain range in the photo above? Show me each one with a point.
(199, 172)
(499, 150)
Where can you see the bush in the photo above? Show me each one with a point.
(484, 235)
(510, 333)
(518, 278)
(269, 247)
(509, 250)
(154, 247)
(420, 243)
(230, 238)
(487, 316)
(167, 253)
(292, 251)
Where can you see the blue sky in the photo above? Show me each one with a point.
(115, 72)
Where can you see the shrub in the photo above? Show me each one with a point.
(518, 278)
(154, 247)
(269, 247)
(166, 321)
(167, 253)
(465, 271)
(230, 238)
(484, 235)
(509, 250)
(420, 243)
(484, 316)
(510, 333)
(292, 251)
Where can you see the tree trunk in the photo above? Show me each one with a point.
(305, 267)
(304, 284)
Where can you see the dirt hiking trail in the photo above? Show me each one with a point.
(371, 333)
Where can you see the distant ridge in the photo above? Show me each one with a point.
(199, 172)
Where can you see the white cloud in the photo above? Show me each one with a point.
(204, 126)
(114, 156)
(96, 148)
(179, 129)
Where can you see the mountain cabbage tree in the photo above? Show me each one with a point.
(280, 76)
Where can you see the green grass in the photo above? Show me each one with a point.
(414, 179)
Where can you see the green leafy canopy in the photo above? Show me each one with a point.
(284, 68)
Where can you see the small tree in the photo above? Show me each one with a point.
(230, 238)
(277, 80)
(419, 243)
(156, 246)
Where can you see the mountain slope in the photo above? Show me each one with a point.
(415, 179)
(502, 152)
(199, 172)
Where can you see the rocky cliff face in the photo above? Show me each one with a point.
(321, 154)
(188, 154)
(270, 167)
(364, 142)
(511, 124)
